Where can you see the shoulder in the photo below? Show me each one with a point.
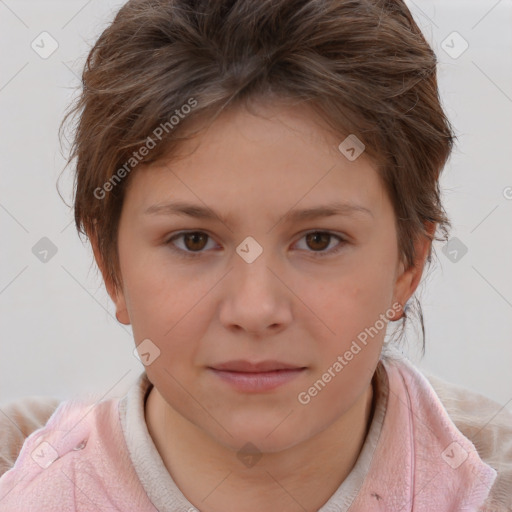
(78, 461)
(488, 425)
(78, 441)
(18, 419)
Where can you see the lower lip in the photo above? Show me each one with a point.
(257, 381)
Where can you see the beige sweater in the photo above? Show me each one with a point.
(484, 422)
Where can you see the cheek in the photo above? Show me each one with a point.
(160, 299)
(171, 305)
(358, 293)
(352, 310)
(357, 325)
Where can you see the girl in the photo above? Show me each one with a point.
(260, 185)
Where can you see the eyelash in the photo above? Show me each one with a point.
(190, 254)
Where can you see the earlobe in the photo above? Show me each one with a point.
(405, 286)
(122, 316)
(118, 299)
(409, 279)
(115, 294)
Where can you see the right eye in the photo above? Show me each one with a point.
(193, 243)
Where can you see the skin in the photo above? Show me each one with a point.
(290, 304)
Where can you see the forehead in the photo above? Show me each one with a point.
(272, 156)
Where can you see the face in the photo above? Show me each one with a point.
(265, 326)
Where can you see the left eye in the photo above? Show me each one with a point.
(322, 238)
(195, 242)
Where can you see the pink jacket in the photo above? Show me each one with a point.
(80, 462)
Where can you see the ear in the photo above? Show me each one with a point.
(408, 279)
(115, 294)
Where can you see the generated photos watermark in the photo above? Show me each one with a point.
(304, 397)
(144, 150)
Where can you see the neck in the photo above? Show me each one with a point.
(274, 483)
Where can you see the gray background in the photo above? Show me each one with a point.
(59, 336)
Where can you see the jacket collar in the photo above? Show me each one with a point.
(422, 461)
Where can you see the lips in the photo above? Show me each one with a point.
(257, 377)
(259, 367)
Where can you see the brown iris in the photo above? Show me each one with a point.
(195, 239)
(318, 237)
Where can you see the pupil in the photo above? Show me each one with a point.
(315, 237)
(194, 237)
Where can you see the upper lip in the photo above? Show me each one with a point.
(261, 366)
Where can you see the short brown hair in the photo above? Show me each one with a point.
(363, 65)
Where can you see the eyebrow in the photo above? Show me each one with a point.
(201, 212)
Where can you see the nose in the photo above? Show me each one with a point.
(256, 298)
